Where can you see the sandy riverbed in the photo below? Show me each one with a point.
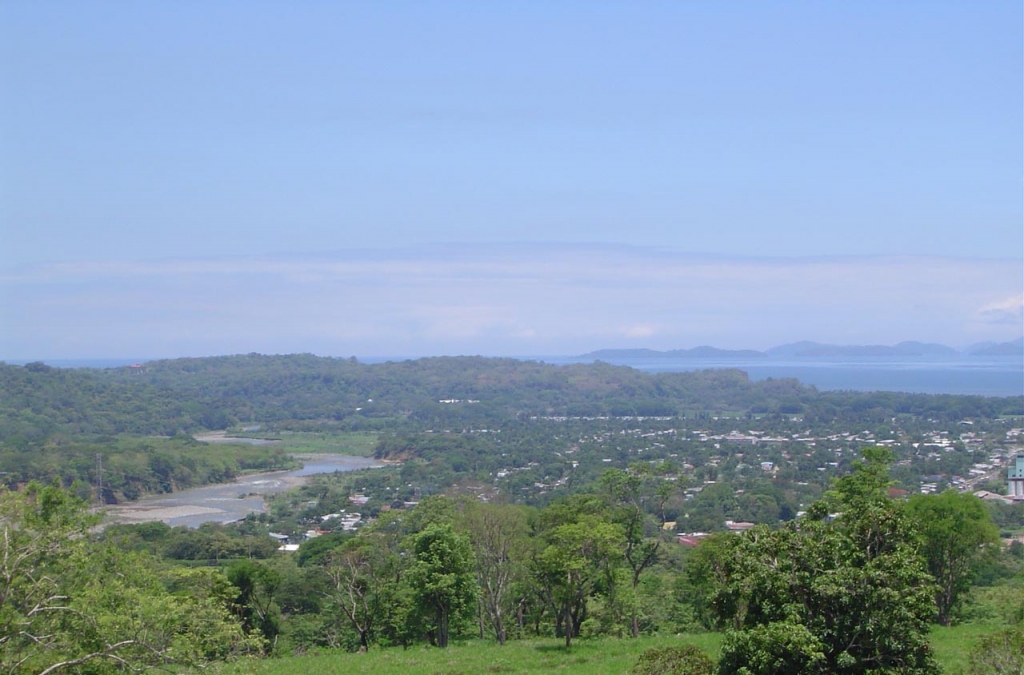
(228, 502)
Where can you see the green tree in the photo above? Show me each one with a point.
(957, 532)
(631, 494)
(708, 574)
(847, 595)
(578, 556)
(442, 578)
(69, 605)
(254, 604)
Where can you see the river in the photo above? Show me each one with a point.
(228, 502)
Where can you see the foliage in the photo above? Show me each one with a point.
(456, 420)
(256, 584)
(779, 648)
(442, 578)
(128, 467)
(165, 397)
(1001, 653)
(67, 603)
(687, 660)
(632, 495)
(361, 573)
(957, 532)
(581, 549)
(578, 443)
(500, 539)
(848, 596)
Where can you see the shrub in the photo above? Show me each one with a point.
(775, 649)
(1001, 653)
(688, 660)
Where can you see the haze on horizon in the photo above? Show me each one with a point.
(507, 179)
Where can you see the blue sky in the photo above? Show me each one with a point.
(356, 178)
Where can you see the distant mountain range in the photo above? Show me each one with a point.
(816, 349)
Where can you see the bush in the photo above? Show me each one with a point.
(1001, 653)
(779, 648)
(688, 660)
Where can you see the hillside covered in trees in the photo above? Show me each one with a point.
(521, 500)
(135, 424)
(185, 395)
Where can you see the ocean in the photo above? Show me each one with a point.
(974, 375)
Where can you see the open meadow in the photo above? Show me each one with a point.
(596, 656)
(353, 443)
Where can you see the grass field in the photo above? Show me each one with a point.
(534, 657)
(600, 656)
(358, 444)
(953, 645)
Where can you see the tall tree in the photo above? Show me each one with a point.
(254, 605)
(957, 531)
(359, 573)
(500, 538)
(577, 556)
(442, 578)
(632, 495)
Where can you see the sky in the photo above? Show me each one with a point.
(406, 178)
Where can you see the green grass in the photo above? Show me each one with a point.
(605, 656)
(359, 444)
(952, 645)
(598, 656)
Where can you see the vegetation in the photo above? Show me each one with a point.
(531, 656)
(958, 533)
(688, 660)
(129, 429)
(523, 504)
(70, 605)
(1001, 653)
(595, 656)
(843, 595)
(126, 468)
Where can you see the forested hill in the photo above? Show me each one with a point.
(170, 396)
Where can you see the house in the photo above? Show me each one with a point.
(692, 539)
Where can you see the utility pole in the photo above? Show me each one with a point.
(99, 478)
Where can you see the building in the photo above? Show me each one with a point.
(1015, 478)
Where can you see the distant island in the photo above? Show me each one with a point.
(807, 349)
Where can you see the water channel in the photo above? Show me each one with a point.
(228, 502)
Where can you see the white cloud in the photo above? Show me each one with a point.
(640, 331)
(514, 299)
(1006, 311)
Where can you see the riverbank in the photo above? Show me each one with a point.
(222, 437)
(229, 502)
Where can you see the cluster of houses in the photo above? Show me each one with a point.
(348, 521)
(694, 538)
